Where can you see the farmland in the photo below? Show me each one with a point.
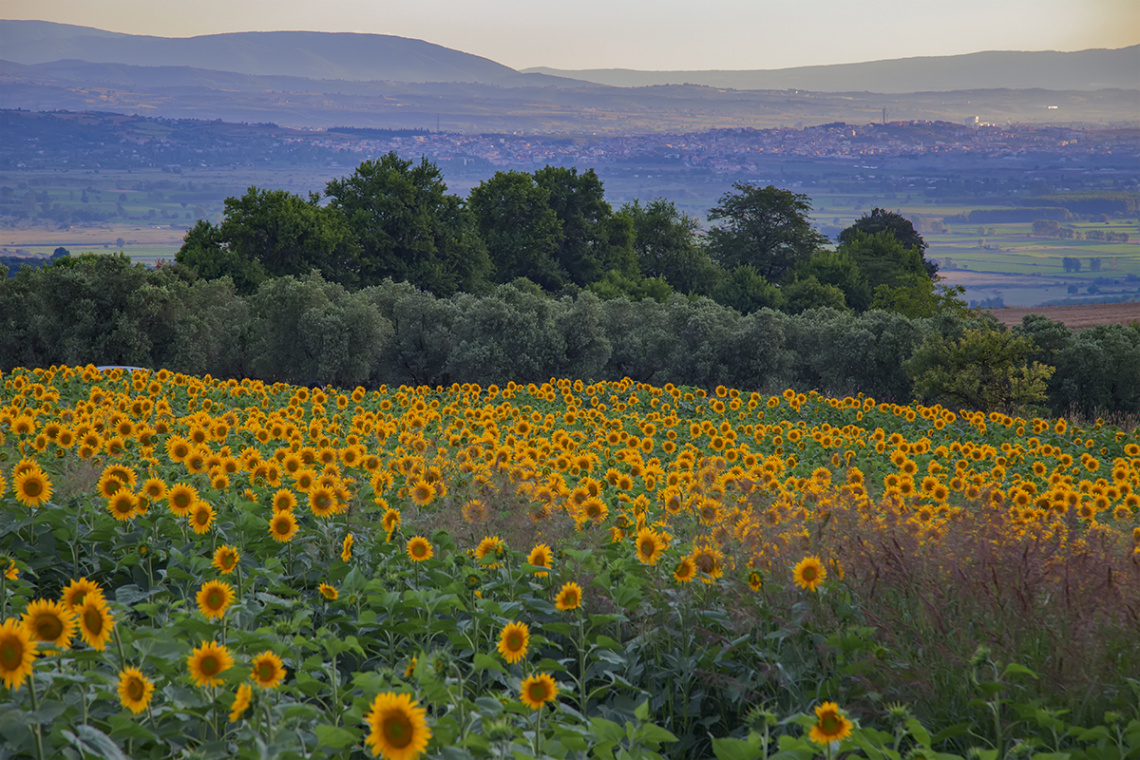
(561, 569)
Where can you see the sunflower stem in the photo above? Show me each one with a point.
(36, 726)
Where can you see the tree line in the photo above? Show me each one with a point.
(393, 219)
(305, 329)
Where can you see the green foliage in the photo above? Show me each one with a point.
(839, 269)
(880, 220)
(765, 227)
(521, 231)
(984, 369)
(745, 289)
(809, 293)
(667, 246)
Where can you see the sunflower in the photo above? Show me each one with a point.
(513, 641)
(809, 573)
(268, 670)
(830, 725)
(214, 598)
(13, 572)
(755, 580)
(537, 690)
(241, 702)
(135, 690)
(284, 500)
(346, 548)
(391, 520)
(154, 489)
(33, 487)
(685, 570)
(283, 527)
(489, 546)
(323, 501)
(399, 727)
(109, 484)
(225, 559)
(569, 597)
(180, 498)
(328, 592)
(422, 492)
(201, 517)
(17, 652)
(474, 511)
(419, 549)
(123, 505)
(650, 545)
(95, 621)
(540, 557)
(50, 622)
(77, 592)
(207, 663)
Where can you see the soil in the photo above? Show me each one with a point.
(1076, 317)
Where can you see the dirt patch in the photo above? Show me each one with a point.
(1076, 317)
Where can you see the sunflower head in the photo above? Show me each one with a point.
(419, 549)
(398, 727)
(569, 597)
(214, 598)
(95, 621)
(830, 725)
(268, 670)
(207, 663)
(283, 527)
(513, 641)
(226, 559)
(50, 622)
(17, 653)
(135, 690)
(537, 690)
(809, 573)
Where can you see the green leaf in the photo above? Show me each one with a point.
(651, 732)
(919, 732)
(1013, 669)
(607, 730)
(336, 737)
(93, 742)
(642, 711)
(487, 662)
(735, 749)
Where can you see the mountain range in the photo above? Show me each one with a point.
(318, 79)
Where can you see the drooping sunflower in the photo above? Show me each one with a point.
(76, 592)
(180, 498)
(283, 527)
(569, 597)
(207, 663)
(809, 573)
(201, 517)
(50, 622)
(537, 690)
(830, 725)
(419, 549)
(214, 598)
(135, 690)
(540, 556)
(513, 641)
(12, 572)
(399, 727)
(391, 520)
(33, 487)
(346, 548)
(685, 571)
(329, 592)
(95, 621)
(268, 670)
(241, 702)
(226, 559)
(17, 653)
(755, 580)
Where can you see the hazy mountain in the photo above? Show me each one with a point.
(1081, 70)
(314, 55)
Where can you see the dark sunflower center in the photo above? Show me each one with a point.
(33, 488)
(11, 655)
(214, 599)
(398, 731)
(514, 642)
(829, 724)
(94, 620)
(135, 689)
(209, 665)
(809, 574)
(48, 627)
(266, 671)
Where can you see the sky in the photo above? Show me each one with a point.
(642, 34)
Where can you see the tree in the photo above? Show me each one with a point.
(880, 220)
(409, 228)
(764, 227)
(594, 239)
(883, 260)
(667, 246)
(521, 231)
(838, 268)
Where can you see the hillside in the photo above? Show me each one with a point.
(1050, 70)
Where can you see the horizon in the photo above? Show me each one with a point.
(763, 35)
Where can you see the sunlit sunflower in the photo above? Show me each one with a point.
(241, 702)
(201, 517)
(226, 559)
(180, 498)
(123, 505)
(135, 690)
(419, 549)
(268, 670)
(284, 500)
(76, 592)
(95, 621)
(50, 622)
(490, 546)
(569, 597)
(809, 573)
(328, 592)
(399, 729)
(391, 520)
(650, 545)
(540, 556)
(323, 501)
(207, 663)
(422, 492)
(513, 641)
(17, 653)
(33, 487)
(154, 489)
(283, 527)
(830, 725)
(537, 690)
(214, 598)
(685, 570)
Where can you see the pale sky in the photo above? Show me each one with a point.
(642, 34)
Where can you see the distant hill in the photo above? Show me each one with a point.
(313, 55)
(1081, 70)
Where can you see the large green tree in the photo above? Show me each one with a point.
(668, 246)
(408, 226)
(764, 227)
(521, 231)
(880, 220)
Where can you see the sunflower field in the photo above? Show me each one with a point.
(193, 567)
